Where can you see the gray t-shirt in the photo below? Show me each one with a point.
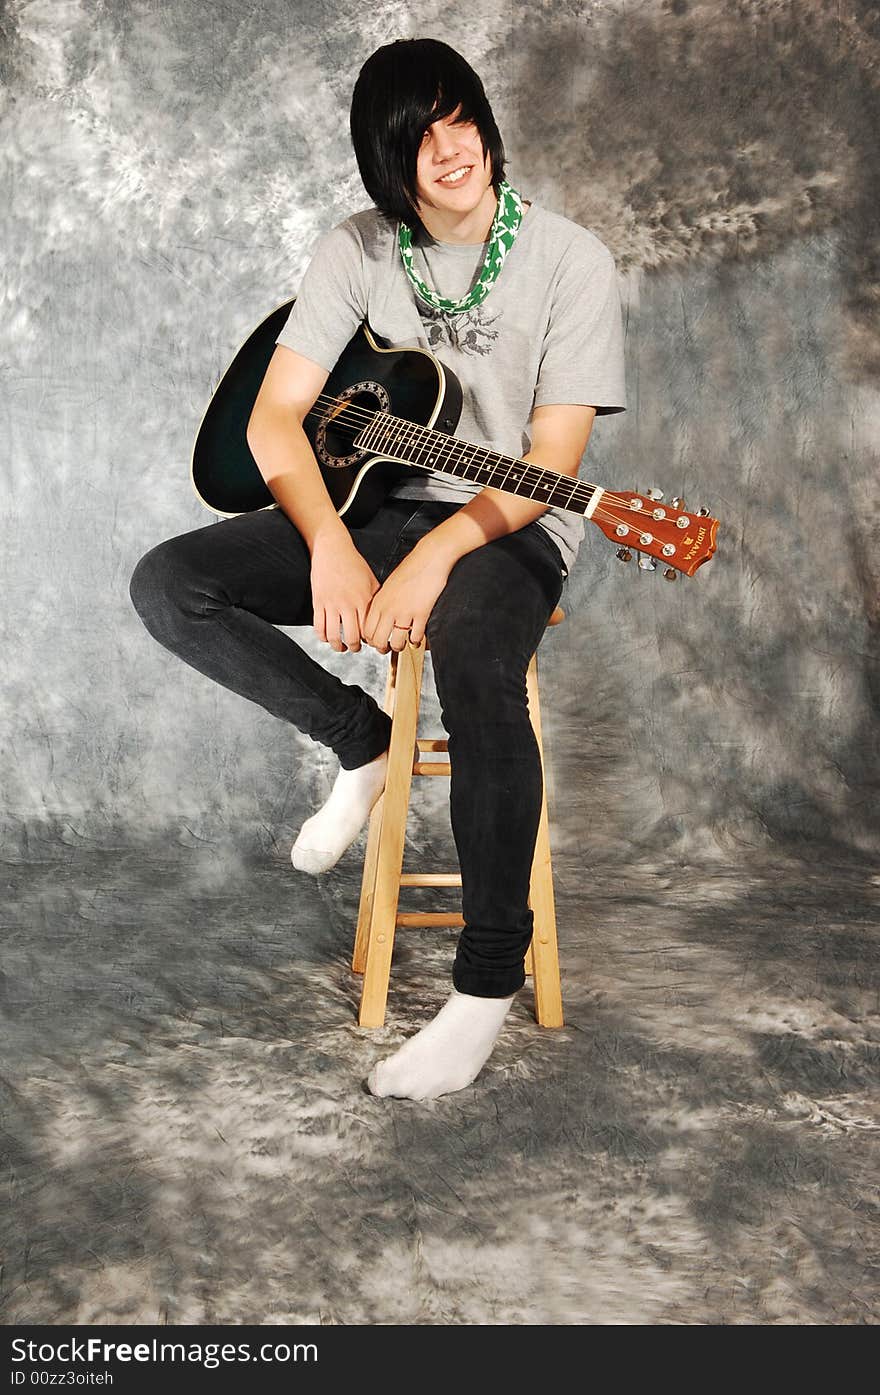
(549, 331)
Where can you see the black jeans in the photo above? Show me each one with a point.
(214, 597)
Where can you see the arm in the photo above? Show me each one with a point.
(407, 596)
(559, 439)
(342, 582)
(281, 449)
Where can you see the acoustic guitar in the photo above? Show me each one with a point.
(386, 413)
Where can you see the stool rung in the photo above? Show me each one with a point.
(430, 879)
(410, 919)
(431, 767)
(432, 743)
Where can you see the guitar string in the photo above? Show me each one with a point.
(599, 513)
(531, 472)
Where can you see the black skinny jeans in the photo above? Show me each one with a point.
(214, 597)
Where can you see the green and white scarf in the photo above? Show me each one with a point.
(505, 226)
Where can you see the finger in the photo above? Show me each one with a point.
(378, 626)
(351, 630)
(367, 619)
(379, 613)
(334, 625)
(417, 629)
(320, 623)
(400, 635)
(378, 629)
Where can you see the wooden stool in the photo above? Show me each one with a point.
(378, 916)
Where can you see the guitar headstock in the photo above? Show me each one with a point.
(681, 538)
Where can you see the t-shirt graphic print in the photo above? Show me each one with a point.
(471, 332)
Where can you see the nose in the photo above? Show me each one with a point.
(446, 143)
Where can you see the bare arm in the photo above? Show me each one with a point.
(407, 596)
(342, 582)
(281, 449)
(559, 439)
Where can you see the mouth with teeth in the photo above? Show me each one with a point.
(456, 176)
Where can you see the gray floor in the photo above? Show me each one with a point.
(187, 1137)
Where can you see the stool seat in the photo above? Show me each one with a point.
(383, 875)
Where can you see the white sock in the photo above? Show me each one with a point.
(447, 1054)
(325, 836)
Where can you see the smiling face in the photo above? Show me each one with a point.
(453, 148)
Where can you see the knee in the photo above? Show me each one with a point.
(157, 584)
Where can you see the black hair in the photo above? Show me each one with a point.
(401, 89)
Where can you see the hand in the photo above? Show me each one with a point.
(343, 584)
(400, 608)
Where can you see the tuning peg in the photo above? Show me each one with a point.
(671, 574)
(677, 503)
(647, 564)
(653, 493)
(624, 554)
(702, 513)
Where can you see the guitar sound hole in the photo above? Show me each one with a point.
(355, 405)
(342, 428)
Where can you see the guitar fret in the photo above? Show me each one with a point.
(447, 460)
(433, 452)
(573, 484)
(422, 449)
(460, 458)
(419, 448)
(368, 436)
(429, 453)
(495, 467)
(539, 483)
(469, 458)
(560, 497)
(387, 437)
(493, 464)
(501, 483)
(445, 457)
(419, 445)
(454, 461)
(442, 454)
(404, 437)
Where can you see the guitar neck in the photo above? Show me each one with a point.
(412, 444)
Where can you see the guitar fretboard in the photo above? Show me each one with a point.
(412, 444)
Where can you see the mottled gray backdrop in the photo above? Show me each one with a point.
(186, 1137)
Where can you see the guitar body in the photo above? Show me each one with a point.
(409, 383)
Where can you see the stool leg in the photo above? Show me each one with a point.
(409, 665)
(368, 880)
(544, 947)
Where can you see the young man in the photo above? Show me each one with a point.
(523, 306)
